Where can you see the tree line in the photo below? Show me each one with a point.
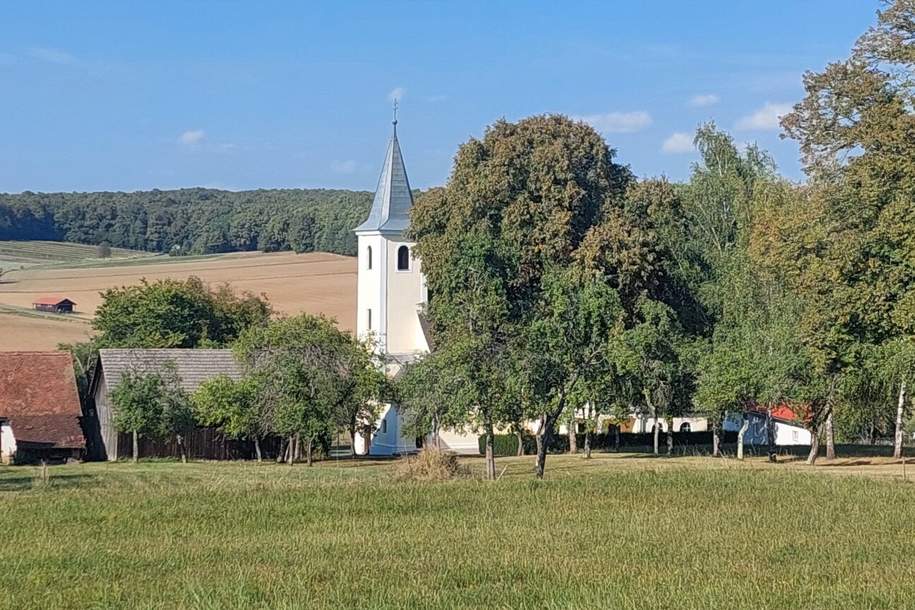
(190, 221)
(563, 289)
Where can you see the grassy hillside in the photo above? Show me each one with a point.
(18, 254)
(618, 531)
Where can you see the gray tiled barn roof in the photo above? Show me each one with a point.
(194, 366)
(390, 211)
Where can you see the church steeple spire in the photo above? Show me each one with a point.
(390, 211)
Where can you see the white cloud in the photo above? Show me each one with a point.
(678, 143)
(343, 167)
(618, 122)
(703, 100)
(397, 93)
(192, 137)
(764, 119)
(53, 56)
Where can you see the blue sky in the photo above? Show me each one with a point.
(135, 95)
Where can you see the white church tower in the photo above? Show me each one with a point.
(391, 292)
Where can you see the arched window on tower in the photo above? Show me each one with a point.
(368, 257)
(403, 258)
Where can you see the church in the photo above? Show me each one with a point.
(391, 295)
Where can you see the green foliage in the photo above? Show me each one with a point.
(309, 377)
(229, 405)
(190, 221)
(175, 313)
(152, 404)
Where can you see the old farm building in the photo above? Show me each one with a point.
(192, 366)
(40, 414)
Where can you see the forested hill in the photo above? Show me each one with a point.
(191, 221)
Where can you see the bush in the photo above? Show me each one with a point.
(431, 465)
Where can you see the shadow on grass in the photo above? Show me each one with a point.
(25, 482)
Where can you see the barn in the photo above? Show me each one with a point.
(193, 367)
(54, 304)
(40, 412)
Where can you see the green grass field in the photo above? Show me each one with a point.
(19, 254)
(620, 531)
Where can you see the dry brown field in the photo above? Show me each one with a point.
(293, 283)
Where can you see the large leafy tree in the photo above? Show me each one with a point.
(855, 127)
(523, 206)
(303, 375)
(175, 313)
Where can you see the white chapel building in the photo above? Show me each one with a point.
(391, 293)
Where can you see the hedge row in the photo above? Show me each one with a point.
(507, 444)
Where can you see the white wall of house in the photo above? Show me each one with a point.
(756, 434)
(7, 443)
(644, 424)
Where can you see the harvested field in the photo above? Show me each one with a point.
(294, 283)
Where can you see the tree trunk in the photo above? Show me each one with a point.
(743, 430)
(308, 449)
(257, 449)
(297, 456)
(490, 453)
(573, 439)
(814, 446)
(588, 443)
(656, 433)
(544, 436)
(181, 449)
(616, 438)
(281, 454)
(352, 438)
(830, 438)
(716, 439)
(520, 436)
(670, 437)
(290, 451)
(136, 446)
(770, 435)
(900, 410)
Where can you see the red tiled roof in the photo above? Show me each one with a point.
(784, 412)
(51, 300)
(38, 396)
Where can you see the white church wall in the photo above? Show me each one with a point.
(370, 285)
(405, 296)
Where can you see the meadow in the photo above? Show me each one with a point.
(620, 530)
(294, 283)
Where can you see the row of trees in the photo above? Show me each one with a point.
(563, 289)
(190, 221)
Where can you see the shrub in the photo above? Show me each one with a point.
(431, 465)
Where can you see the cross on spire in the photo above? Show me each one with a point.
(394, 122)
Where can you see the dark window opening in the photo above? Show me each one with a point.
(403, 258)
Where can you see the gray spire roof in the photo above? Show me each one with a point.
(391, 207)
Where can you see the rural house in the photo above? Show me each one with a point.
(54, 304)
(193, 367)
(40, 413)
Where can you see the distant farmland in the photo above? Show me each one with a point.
(294, 283)
(17, 254)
